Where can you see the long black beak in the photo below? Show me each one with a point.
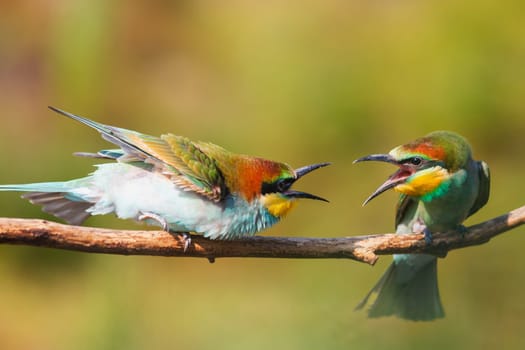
(395, 179)
(300, 173)
(299, 194)
(308, 169)
(378, 158)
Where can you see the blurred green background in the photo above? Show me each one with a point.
(297, 81)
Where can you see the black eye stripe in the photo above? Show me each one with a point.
(280, 185)
(284, 184)
(414, 160)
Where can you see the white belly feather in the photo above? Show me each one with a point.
(130, 191)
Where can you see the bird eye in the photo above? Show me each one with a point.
(415, 160)
(281, 185)
(284, 184)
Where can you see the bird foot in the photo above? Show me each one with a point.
(422, 228)
(428, 236)
(165, 227)
(186, 238)
(463, 230)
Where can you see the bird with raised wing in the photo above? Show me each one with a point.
(181, 185)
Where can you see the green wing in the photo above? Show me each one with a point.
(193, 167)
(176, 157)
(484, 187)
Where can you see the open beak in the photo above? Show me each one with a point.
(300, 173)
(395, 179)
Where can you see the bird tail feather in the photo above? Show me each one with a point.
(56, 198)
(407, 292)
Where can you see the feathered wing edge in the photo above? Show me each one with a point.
(484, 187)
(176, 157)
(56, 203)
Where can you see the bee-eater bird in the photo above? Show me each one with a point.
(440, 185)
(181, 185)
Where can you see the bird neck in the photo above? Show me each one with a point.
(241, 217)
(277, 205)
(244, 175)
(448, 206)
(452, 185)
(426, 184)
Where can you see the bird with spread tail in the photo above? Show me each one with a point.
(440, 185)
(181, 185)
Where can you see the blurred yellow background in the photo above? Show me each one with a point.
(296, 81)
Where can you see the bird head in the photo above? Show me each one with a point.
(271, 183)
(425, 164)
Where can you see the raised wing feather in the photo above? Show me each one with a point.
(196, 166)
(174, 156)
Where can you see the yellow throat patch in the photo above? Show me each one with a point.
(278, 205)
(425, 182)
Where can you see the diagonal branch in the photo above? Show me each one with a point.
(365, 248)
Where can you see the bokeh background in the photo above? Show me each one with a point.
(296, 81)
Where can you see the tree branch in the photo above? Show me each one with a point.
(366, 248)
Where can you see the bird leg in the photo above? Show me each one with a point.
(463, 230)
(145, 215)
(420, 227)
